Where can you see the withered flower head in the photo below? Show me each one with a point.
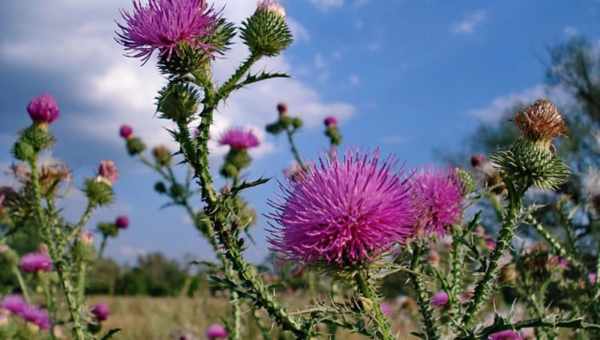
(541, 122)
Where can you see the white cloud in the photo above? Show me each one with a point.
(469, 22)
(501, 106)
(327, 4)
(74, 41)
(299, 32)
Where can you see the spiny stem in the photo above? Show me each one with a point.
(383, 329)
(423, 296)
(457, 257)
(56, 254)
(484, 286)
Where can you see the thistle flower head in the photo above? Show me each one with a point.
(36, 316)
(239, 139)
(271, 6)
(36, 262)
(216, 331)
(100, 312)
(164, 25)
(86, 238)
(439, 299)
(108, 172)
(282, 109)
(344, 212)
(125, 131)
(386, 309)
(437, 197)
(330, 121)
(541, 122)
(43, 109)
(122, 222)
(506, 335)
(14, 304)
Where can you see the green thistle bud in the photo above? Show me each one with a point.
(528, 164)
(238, 158)
(177, 102)
(9, 255)
(160, 187)
(99, 193)
(334, 135)
(23, 151)
(297, 123)
(162, 155)
(229, 171)
(177, 191)
(108, 229)
(286, 121)
(38, 137)
(266, 32)
(186, 60)
(135, 146)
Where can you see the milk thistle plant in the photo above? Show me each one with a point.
(353, 215)
(57, 266)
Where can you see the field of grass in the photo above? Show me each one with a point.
(146, 318)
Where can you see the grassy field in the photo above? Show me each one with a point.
(145, 318)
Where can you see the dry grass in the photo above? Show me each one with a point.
(145, 318)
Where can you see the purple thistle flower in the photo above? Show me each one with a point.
(162, 25)
(43, 109)
(437, 196)
(239, 139)
(125, 131)
(14, 304)
(100, 312)
(344, 212)
(439, 299)
(506, 335)
(330, 121)
(36, 262)
(216, 331)
(122, 222)
(36, 316)
(386, 309)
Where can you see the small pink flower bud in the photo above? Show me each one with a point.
(122, 222)
(271, 6)
(86, 238)
(216, 331)
(439, 299)
(126, 131)
(330, 121)
(100, 312)
(282, 109)
(43, 109)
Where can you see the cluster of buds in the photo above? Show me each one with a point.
(266, 32)
(43, 111)
(332, 131)
(284, 122)
(238, 158)
(135, 145)
(531, 160)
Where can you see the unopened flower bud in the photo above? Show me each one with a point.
(266, 32)
(98, 192)
(330, 121)
(86, 238)
(100, 312)
(122, 222)
(162, 155)
(160, 187)
(135, 146)
(282, 109)
(440, 299)
(126, 131)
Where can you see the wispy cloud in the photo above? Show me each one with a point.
(327, 4)
(502, 106)
(469, 23)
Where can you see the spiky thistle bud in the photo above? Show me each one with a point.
(177, 102)
(162, 155)
(266, 32)
(135, 146)
(541, 122)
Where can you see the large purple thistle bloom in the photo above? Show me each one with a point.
(437, 198)
(164, 24)
(343, 212)
(36, 262)
(239, 139)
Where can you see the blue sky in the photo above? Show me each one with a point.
(407, 76)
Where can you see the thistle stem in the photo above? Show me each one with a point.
(22, 285)
(56, 254)
(457, 257)
(485, 284)
(294, 148)
(423, 296)
(383, 329)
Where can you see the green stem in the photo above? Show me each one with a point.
(22, 285)
(383, 328)
(294, 148)
(102, 246)
(81, 275)
(56, 254)
(457, 257)
(423, 296)
(50, 305)
(507, 232)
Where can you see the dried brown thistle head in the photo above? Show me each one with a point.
(541, 122)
